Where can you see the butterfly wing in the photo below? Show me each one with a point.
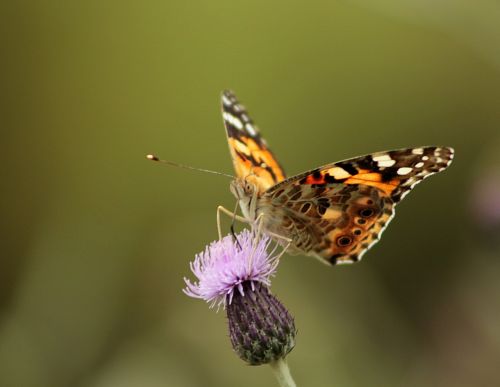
(251, 156)
(338, 211)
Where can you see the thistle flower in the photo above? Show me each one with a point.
(226, 264)
(236, 274)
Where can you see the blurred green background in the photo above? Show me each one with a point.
(96, 239)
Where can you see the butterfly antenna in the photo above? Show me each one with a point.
(232, 226)
(172, 164)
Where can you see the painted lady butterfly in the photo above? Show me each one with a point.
(335, 212)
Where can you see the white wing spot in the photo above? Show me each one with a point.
(386, 163)
(419, 165)
(404, 170)
(417, 151)
(226, 101)
(425, 158)
(384, 157)
(232, 120)
(250, 129)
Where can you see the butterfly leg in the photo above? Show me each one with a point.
(283, 238)
(260, 225)
(221, 209)
(287, 244)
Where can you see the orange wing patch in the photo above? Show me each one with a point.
(251, 156)
(340, 175)
(373, 179)
(251, 159)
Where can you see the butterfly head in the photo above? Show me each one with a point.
(246, 191)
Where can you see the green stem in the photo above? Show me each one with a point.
(282, 373)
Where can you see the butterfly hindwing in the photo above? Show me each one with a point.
(338, 211)
(251, 156)
(335, 222)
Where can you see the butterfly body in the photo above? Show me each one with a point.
(335, 212)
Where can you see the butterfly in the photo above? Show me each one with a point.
(335, 212)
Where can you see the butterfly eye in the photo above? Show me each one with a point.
(366, 212)
(344, 241)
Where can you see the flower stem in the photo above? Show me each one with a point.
(282, 373)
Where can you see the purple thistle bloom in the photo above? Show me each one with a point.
(237, 275)
(225, 265)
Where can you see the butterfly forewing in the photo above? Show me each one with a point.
(249, 151)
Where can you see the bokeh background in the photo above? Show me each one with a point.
(96, 240)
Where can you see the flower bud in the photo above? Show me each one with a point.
(260, 327)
